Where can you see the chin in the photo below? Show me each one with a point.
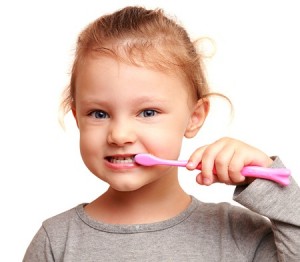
(126, 187)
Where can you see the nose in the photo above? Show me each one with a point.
(121, 133)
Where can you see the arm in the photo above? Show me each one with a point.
(222, 161)
(282, 206)
(39, 249)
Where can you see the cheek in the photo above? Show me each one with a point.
(90, 150)
(164, 142)
(170, 149)
(90, 142)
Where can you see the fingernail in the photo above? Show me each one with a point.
(206, 181)
(190, 164)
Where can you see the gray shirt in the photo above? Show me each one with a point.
(267, 230)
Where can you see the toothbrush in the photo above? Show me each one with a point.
(279, 175)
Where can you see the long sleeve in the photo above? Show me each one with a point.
(282, 206)
(39, 249)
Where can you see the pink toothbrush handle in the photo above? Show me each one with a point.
(279, 175)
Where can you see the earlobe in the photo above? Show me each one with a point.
(197, 117)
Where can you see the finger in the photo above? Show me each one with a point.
(208, 163)
(234, 169)
(195, 158)
(222, 162)
(199, 180)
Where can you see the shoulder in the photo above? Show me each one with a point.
(50, 239)
(233, 225)
(231, 216)
(59, 225)
(63, 217)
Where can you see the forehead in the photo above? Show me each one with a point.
(108, 71)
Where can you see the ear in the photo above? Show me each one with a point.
(74, 114)
(197, 118)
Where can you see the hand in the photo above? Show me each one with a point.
(223, 160)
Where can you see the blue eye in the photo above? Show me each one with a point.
(99, 114)
(148, 113)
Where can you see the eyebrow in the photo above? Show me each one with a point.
(145, 99)
(138, 100)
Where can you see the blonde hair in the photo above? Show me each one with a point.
(144, 38)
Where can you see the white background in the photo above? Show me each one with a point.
(256, 65)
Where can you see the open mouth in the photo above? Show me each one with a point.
(120, 159)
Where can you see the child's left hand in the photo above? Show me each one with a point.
(223, 160)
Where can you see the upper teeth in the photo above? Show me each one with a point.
(128, 159)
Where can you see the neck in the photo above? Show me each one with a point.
(152, 203)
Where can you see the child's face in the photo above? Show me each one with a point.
(122, 110)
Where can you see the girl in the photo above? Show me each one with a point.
(138, 86)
